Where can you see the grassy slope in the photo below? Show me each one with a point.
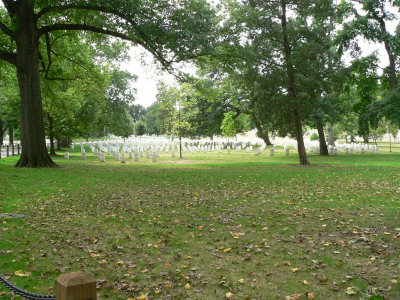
(252, 226)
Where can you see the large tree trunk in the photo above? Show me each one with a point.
(291, 86)
(323, 148)
(34, 153)
(331, 136)
(366, 138)
(51, 135)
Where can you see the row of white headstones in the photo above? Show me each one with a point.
(121, 151)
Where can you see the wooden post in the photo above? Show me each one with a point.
(75, 286)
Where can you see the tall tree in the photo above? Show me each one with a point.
(171, 31)
(286, 40)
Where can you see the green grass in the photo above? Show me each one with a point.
(258, 227)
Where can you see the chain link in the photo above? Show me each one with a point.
(22, 293)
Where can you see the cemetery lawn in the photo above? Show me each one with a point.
(209, 226)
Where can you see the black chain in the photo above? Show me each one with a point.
(22, 293)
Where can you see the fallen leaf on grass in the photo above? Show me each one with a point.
(229, 295)
(310, 295)
(293, 297)
(294, 270)
(21, 273)
(351, 291)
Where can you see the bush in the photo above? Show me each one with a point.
(314, 137)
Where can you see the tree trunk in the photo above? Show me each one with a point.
(291, 87)
(352, 140)
(2, 131)
(366, 138)
(323, 148)
(331, 136)
(59, 144)
(301, 149)
(389, 51)
(51, 135)
(10, 135)
(262, 133)
(34, 153)
(66, 142)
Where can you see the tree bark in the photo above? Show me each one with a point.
(366, 138)
(2, 131)
(323, 148)
(51, 135)
(59, 144)
(34, 153)
(10, 135)
(331, 136)
(389, 51)
(262, 133)
(291, 87)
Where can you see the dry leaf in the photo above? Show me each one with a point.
(310, 295)
(21, 273)
(293, 297)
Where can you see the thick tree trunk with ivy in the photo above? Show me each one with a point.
(291, 88)
(34, 153)
(323, 148)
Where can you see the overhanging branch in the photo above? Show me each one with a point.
(81, 7)
(8, 57)
(59, 27)
(8, 31)
(143, 42)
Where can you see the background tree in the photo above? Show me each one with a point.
(171, 31)
(140, 128)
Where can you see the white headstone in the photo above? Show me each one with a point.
(272, 152)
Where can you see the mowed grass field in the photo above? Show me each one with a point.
(209, 226)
